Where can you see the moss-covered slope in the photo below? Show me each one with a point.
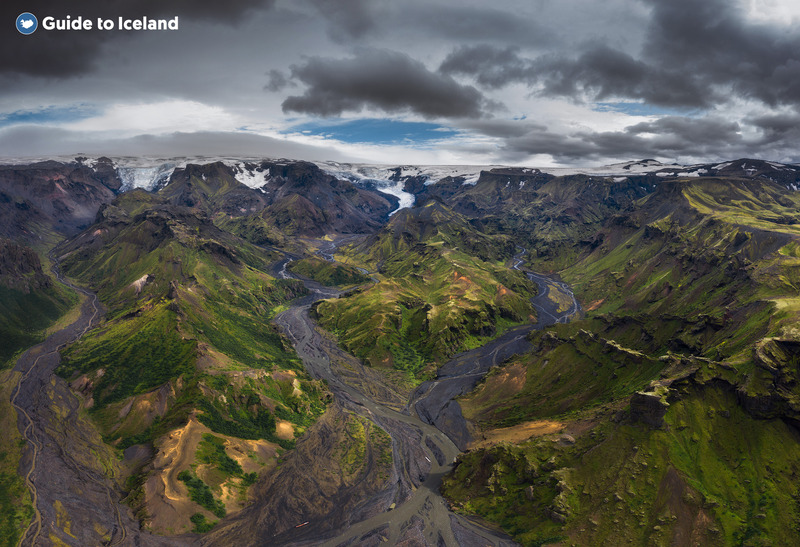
(187, 339)
(675, 401)
(443, 288)
(30, 300)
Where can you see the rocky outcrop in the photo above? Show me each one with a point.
(496, 190)
(772, 389)
(212, 188)
(53, 196)
(20, 268)
(649, 408)
(331, 204)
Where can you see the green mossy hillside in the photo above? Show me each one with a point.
(677, 393)
(201, 494)
(126, 257)
(253, 228)
(188, 333)
(569, 369)
(24, 317)
(327, 273)
(434, 299)
(713, 475)
(213, 189)
(555, 218)
(433, 224)
(670, 260)
(247, 405)
(758, 203)
(30, 300)
(131, 356)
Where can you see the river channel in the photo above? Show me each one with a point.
(428, 432)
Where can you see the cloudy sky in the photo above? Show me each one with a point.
(522, 82)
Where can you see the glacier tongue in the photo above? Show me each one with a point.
(145, 177)
(377, 176)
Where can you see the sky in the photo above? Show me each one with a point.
(516, 82)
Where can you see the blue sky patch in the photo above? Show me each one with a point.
(644, 109)
(48, 115)
(376, 131)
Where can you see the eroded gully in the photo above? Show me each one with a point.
(67, 467)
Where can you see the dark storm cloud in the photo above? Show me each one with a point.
(669, 137)
(65, 54)
(778, 129)
(714, 42)
(356, 19)
(695, 54)
(277, 81)
(599, 71)
(501, 128)
(606, 73)
(492, 66)
(384, 80)
(692, 130)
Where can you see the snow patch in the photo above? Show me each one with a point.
(435, 173)
(385, 177)
(781, 166)
(250, 175)
(616, 169)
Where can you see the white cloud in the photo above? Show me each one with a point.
(781, 12)
(158, 118)
(458, 150)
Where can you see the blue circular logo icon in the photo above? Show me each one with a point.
(27, 23)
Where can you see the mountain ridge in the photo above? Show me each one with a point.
(687, 276)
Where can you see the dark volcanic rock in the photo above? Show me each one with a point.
(212, 188)
(498, 189)
(334, 205)
(297, 197)
(52, 196)
(773, 389)
(20, 268)
(648, 408)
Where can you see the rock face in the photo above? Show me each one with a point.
(648, 408)
(328, 204)
(772, 390)
(20, 268)
(297, 198)
(212, 188)
(53, 197)
(313, 484)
